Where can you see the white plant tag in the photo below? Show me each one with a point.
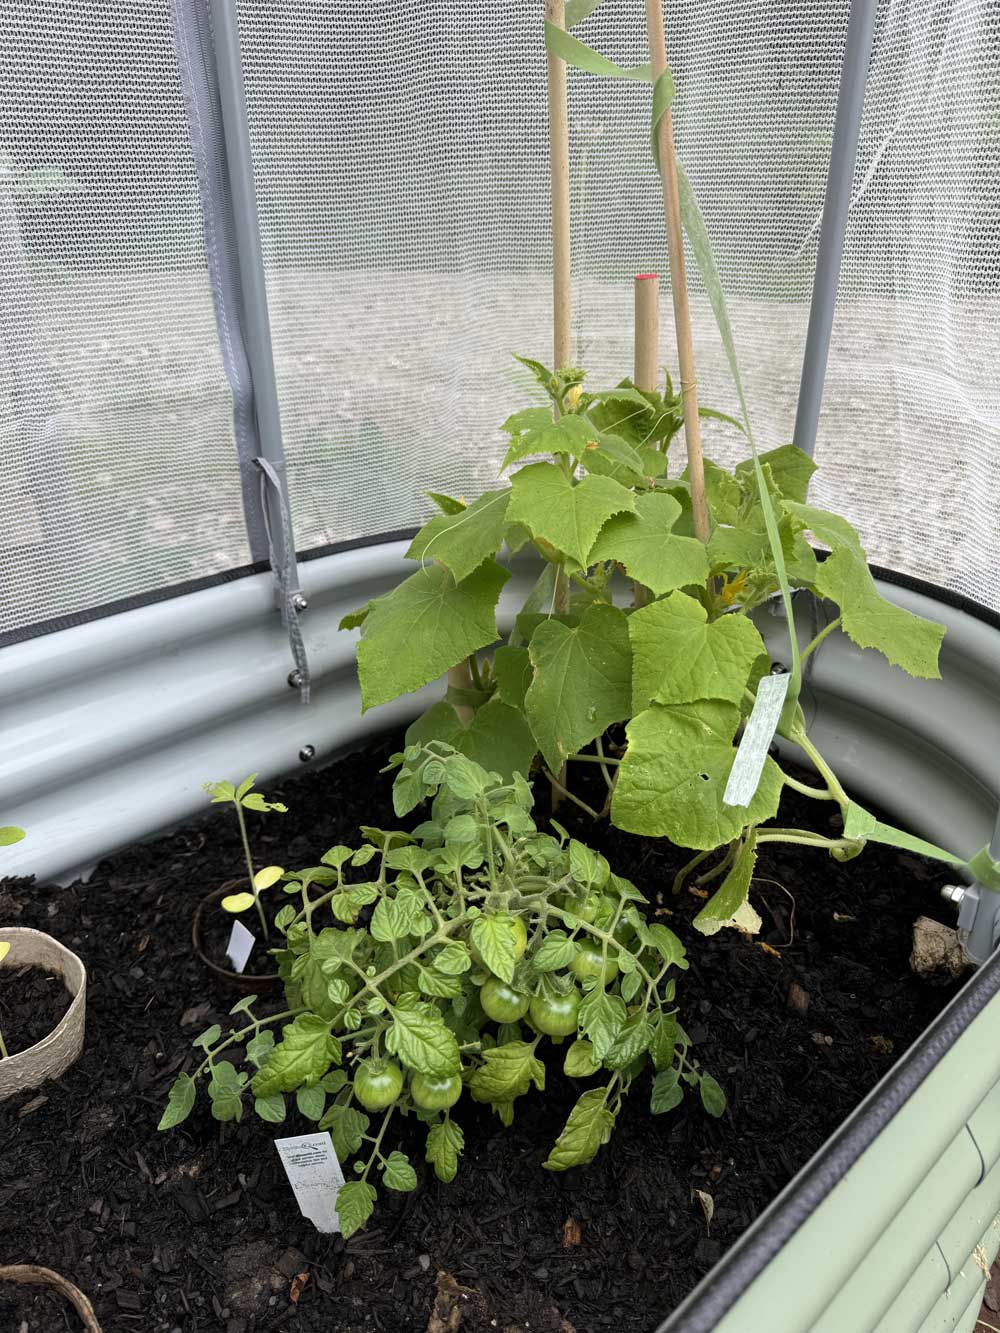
(240, 946)
(744, 779)
(315, 1177)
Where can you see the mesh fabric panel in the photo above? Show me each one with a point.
(402, 173)
(119, 467)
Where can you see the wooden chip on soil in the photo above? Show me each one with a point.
(571, 1233)
(798, 999)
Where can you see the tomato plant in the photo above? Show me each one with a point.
(454, 960)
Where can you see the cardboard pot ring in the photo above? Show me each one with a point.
(54, 1054)
(246, 982)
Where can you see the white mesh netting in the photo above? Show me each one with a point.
(119, 473)
(401, 165)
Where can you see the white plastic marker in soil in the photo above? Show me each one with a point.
(240, 946)
(744, 778)
(315, 1177)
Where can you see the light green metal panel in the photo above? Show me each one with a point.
(817, 1264)
(958, 1309)
(975, 1218)
(985, 1126)
(890, 1261)
(922, 1291)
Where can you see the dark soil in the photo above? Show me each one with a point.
(196, 1229)
(31, 1004)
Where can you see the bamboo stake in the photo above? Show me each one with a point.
(645, 361)
(562, 275)
(678, 279)
(646, 355)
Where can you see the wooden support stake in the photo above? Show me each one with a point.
(645, 373)
(678, 279)
(562, 274)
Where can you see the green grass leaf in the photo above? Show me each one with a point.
(589, 1127)
(678, 657)
(427, 624)
(567, 514)
(462, 541)
(673, 776)
(644, 544)
(582, 681)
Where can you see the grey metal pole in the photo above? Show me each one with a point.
(256, 321)
(847, 126)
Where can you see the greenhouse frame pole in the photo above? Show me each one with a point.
(846, 130)
(256, 320)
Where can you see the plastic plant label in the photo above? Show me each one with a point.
(240, 946)
(758, 733)
(315, 1177)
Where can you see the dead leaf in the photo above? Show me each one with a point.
(769, 949)
(844, 916)
(881, 1044)
(662, 911)
(707, 1207)
(571, 1233)
(698, 893)
(821, 1039)
(446, 1315)
(298, 1287)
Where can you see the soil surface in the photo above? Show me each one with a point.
(32, 1002)
(197, 1230)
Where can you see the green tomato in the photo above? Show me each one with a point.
(501, 1002)
(377, 1084)
(585, 908)
(520, 940)
(589, 962)
(435, 1094)
(556, 1015)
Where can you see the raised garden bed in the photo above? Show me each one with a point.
(198, 1228)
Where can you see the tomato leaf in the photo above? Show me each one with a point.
(589, 1127)
(355, 1205)
(180, 1101)
(445, 1142)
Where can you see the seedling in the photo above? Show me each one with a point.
(243, 798)
(489, 947)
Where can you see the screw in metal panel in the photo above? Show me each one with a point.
(300, 601)
(779, 669)
(953, 893)
(307, 752)
(294, 679)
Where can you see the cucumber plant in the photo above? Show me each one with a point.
(631, 621)
(480, 949)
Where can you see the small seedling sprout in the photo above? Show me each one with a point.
(243, 798)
